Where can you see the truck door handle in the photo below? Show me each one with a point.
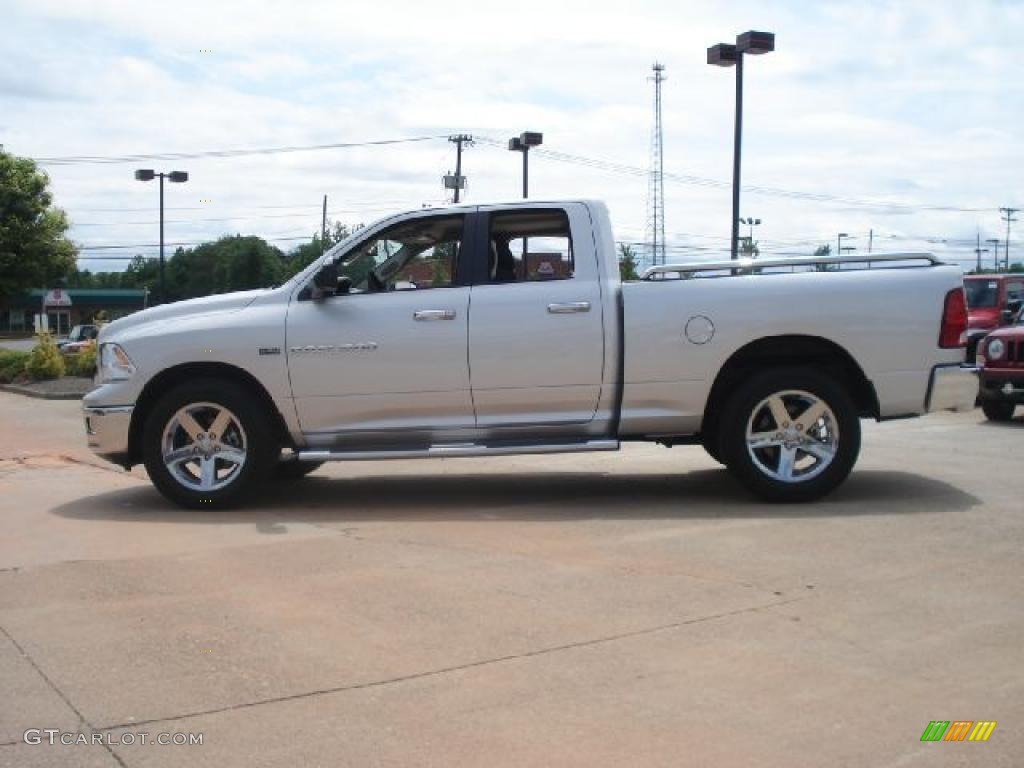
(434, 314)
(569, 307)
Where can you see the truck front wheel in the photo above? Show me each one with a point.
(790, 434)
(207, 444)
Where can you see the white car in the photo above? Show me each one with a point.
(500, 329)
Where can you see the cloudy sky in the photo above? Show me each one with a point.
(898, 117)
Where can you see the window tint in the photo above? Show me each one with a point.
(981, 293)
(413, 255)
(530, 246)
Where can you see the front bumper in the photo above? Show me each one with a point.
(106, 428)
(1003, 384)
(952, 388)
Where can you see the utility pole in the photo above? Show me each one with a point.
(1009, 219)
(871, 239)
(323, 227)
(978, 250)
(458, 181)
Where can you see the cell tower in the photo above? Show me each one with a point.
(656, 187)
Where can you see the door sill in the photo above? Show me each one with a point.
(456, 450)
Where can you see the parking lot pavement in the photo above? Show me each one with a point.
(594, 609)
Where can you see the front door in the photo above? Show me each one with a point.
(387, 355)
(536, 331)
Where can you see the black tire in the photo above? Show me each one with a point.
(998, 410)
(710, 440)
(837, 433)
(290, 470)
(249, 431)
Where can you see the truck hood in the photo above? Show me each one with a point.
(982, 318)
(169, 313)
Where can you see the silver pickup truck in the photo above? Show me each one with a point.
(503, 329)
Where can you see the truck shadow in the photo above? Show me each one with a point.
(511, 496)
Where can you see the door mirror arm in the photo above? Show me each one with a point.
(325, 281)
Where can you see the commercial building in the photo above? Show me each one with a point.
(66, 307)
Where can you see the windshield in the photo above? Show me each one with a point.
(981, 293)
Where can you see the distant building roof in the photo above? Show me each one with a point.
(95, 297)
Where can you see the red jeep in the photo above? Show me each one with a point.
(992, 302)
(1001, 361)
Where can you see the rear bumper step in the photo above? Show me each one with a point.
(456, 450)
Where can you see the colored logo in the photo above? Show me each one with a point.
(958, 730)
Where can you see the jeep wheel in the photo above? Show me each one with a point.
(790, 435)
(998, 410)
(206, 444)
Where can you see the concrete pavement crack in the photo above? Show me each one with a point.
(460, 667)
(56, 689)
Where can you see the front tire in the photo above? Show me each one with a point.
(290, 470)
(790, 434)
(998, 410)
(206, 443)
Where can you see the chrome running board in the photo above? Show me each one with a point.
(455, 450)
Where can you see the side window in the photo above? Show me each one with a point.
(413, 255)
(1015, 291)
(528, 246)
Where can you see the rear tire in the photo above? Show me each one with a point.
(998, 410)
(207, 444)
(790, 434)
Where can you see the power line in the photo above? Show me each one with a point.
(222, 153)
(702, 181)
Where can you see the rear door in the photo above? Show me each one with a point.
(536, 331)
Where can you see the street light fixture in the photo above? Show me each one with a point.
(175, 177)
(728, 55)
(522, 143)
(839, 243)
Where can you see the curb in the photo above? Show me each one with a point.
(18, 390)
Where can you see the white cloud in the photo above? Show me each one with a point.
(912, 103)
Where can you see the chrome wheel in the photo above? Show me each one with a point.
(204, 446)
(792, 436)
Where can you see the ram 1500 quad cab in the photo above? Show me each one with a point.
(502, 329)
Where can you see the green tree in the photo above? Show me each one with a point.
(823, 250)
(301, 257)
(34, 251)
(233, 263)
(627, 263)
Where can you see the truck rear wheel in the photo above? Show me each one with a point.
(207, 444)
(998, 410)
(790, 434)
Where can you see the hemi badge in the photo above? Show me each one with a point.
(270, 350)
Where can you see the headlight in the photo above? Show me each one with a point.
(995, 350)
(114, 363)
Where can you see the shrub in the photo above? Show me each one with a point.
(83, 362)
(12, 364)
(45, 361)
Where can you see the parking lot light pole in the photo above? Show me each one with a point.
(994, 242)
(175, 177)
(522, 143)
(728, 55)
